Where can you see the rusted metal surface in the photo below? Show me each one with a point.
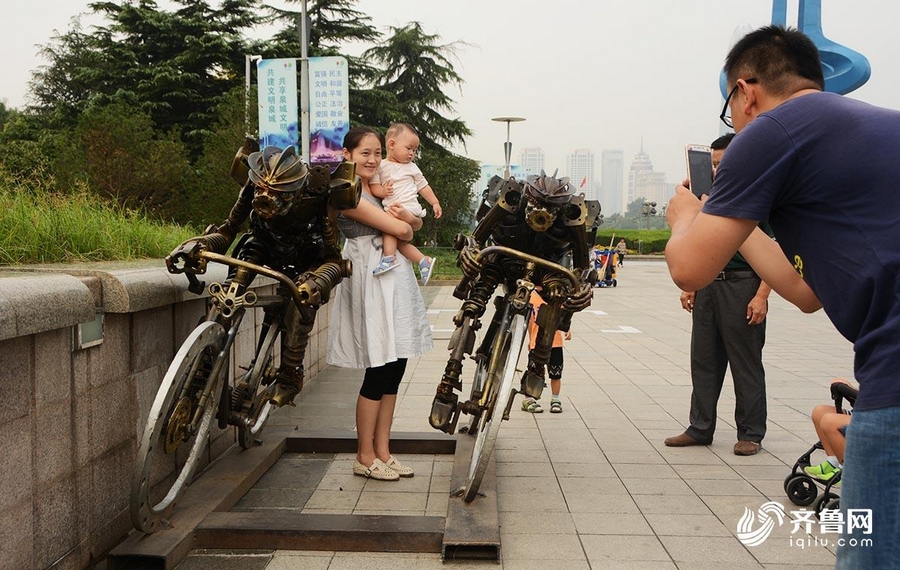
(292, 531)
(472, 530)
(218, 488)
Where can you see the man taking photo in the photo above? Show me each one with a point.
(823, 170)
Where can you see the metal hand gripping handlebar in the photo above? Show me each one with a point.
(300, 295)
(576, 283)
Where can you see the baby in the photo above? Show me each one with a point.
(407, 182)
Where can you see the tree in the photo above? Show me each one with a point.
(416, 69)
(334, 24)
(116, 150)
(451, 176)
(174, 66)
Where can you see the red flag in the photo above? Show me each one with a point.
(583, 182)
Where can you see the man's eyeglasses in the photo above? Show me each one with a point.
(726, 114)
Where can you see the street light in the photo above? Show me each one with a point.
(507, 146)
(648, 209)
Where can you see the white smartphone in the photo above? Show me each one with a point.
(699, 166)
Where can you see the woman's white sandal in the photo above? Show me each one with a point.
(399, 468)
(378, 471)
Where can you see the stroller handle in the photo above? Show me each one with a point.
(840, 392)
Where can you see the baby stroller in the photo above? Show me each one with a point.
(802, 489)
(605, 264)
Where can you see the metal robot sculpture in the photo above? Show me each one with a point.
(292, 231)
(541, 217)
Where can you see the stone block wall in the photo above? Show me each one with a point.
(72, 418)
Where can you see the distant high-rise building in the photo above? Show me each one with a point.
(640, 163)
(612, 190)
(580, 170)
(532, 160)
(651, 186)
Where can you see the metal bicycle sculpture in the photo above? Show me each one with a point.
(536, 227)
(291, 240)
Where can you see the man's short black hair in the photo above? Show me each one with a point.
(783, 60)
(722, 142)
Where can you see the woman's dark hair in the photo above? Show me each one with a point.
(355, 136)
(783, 60)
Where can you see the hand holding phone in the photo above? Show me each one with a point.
(700, 170)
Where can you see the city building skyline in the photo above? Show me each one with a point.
(532, 160)
(612, 188)
(651, 186)
(580, 170)
(640, 163)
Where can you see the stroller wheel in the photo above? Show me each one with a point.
(802, 490)
(787, 479)
(615, 283)
(823, 503)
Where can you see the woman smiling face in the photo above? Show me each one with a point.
(367, 156)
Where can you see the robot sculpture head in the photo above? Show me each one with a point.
(545, 197)
(278, 176)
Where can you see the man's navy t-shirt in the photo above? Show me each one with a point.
(825, 171)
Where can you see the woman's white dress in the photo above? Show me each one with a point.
(376, 320)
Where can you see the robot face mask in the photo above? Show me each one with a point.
(278, 177)
(269, 203)
(545, 195)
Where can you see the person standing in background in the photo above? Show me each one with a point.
(729, 327)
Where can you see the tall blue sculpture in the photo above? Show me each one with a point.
(845, 70)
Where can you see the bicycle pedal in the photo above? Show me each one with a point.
(458, 492)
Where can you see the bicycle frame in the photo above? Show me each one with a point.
(516, 301)
(230, 304)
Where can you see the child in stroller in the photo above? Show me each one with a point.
(831, 426)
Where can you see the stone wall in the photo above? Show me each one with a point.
(71, 418)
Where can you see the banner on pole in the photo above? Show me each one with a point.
(277, 82)
(329, 108)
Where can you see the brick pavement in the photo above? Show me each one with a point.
(594, 487)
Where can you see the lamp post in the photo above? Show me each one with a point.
(507, 146)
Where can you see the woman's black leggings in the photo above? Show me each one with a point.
(383, 380)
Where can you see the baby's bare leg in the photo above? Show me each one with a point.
(410, 252)
(389, 245)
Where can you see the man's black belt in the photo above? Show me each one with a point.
(737, 274)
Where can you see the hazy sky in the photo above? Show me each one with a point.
(598, 74)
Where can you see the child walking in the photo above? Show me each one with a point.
(400, 181)
(554, 367)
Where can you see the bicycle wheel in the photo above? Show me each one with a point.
(511, 336)
(256, 398)
(175, 404)
(477, 385)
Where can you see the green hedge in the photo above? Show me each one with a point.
(651, 241)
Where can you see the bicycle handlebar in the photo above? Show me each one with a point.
(566, 272)
(258, 269)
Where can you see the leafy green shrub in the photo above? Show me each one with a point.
(211, 192)
(116, 151)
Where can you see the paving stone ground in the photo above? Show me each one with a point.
(593, 487)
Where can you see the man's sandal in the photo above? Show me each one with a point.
(532, 406)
